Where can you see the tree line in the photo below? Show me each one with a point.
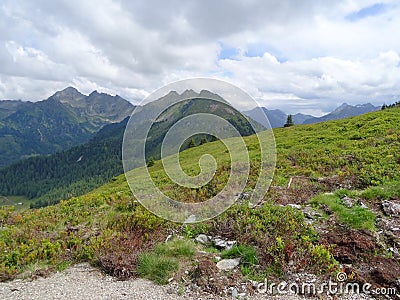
(395, 104)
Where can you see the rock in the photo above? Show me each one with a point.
(168, 238)
(294, 206)
(309, 221)
(391, 208)
(171, 290)
(229, 245)
(234, 293)
(219, 243)
(190, 219)
(348, 202)
(243, 196)
(202, 239)
(310, 213)
(228, 264)
(363, 205)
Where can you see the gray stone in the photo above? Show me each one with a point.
(310, 213)
(391, 208)
(234, 293)
(294, 206)
(228, 264)
(229, 245)
(202, 239)
(190, 219)
(244, 195)
(219, 243)
(347, 201)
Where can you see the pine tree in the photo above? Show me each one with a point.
(192, 143)
(203, 140)
(213, 138)
(289, 121)
(150, 162)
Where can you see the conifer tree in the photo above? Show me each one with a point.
(192, 143)
(289, 121)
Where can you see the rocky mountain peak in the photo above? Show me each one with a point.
(69, 94)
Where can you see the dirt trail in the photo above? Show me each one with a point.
(85, 282)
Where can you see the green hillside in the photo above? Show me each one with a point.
(46, 180)
(358, 157)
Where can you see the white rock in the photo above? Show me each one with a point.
(202, 239)
(190, 219)
(294, 206)
(228, 264)
(234, 293)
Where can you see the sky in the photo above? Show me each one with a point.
(299, 56)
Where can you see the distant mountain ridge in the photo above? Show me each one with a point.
(179, 106)
(100, 106)
(8, 107)
(65, 119)
(344, 111)
(277, 118)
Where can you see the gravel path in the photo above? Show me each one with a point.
(85, 282)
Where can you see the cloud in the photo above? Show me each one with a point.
(324, 82)
(310, 55)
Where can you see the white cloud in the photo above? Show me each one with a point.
(307, 56)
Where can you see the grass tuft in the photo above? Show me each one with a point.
(156, 268)
(159, 264)
(176, 248)
(247, 254)
(356, 217)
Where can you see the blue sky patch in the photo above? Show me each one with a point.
(227, 52)
(255, 50)
(258, 50)
(369, 11)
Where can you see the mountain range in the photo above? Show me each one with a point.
(343, 111)
(65, 119)
(48, 179)
(277, 118)
(183, 105)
